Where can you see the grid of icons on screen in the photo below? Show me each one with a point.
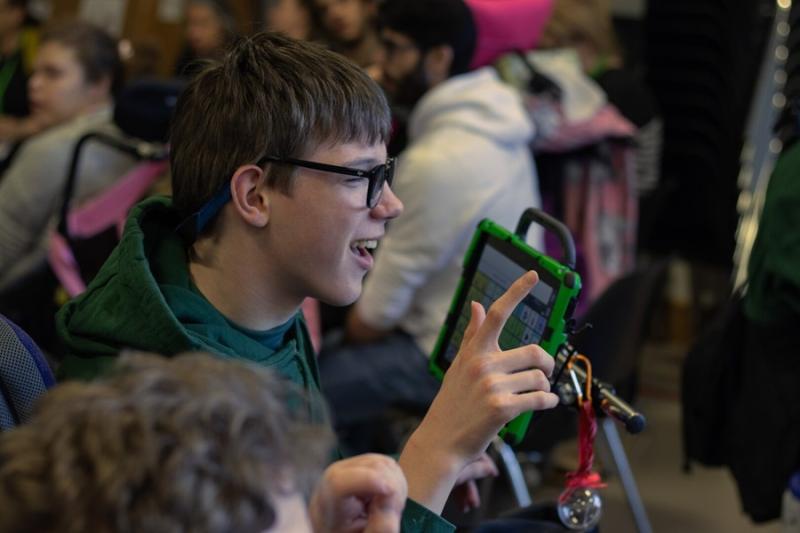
(524, 326)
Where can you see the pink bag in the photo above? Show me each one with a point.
(507, 25)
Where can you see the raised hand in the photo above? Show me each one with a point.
(484, 388)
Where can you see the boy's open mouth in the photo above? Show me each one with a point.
(363, 247)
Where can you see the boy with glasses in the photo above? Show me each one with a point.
(280, 190)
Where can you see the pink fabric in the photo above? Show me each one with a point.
(108, 208)
(64, 265)
(598, 194)
(311, 312)
(600, 208)
(111, 206)
(606, 123)
(507, 25)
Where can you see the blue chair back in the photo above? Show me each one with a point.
(24, 375)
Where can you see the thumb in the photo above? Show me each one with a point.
(476, 317)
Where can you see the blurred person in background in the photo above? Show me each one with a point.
(75, 76)
(350, 28)
(192, 443)
(292, 18)
(19, 39)
(210, 27)
(587, 27)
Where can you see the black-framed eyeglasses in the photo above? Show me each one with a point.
(194, 224)
(377, 176)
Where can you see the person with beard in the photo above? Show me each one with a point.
(349, 26)
(467, 159)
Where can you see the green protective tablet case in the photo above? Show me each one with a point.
(548, 326)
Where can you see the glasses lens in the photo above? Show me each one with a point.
(388, 171)
(377, 186)
(382, 174)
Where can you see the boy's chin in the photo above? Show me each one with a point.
(342, 299)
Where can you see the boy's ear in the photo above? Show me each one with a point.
(250, 196)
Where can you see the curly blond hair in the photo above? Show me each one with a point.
(191, 443)
(574, 22)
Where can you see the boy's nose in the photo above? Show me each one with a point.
(389, 206)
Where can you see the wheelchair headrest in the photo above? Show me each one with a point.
(144, 108)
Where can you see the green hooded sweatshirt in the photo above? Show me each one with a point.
(143, 299)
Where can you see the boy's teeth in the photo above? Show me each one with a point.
(364, 243)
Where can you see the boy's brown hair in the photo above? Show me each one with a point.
(270, 95)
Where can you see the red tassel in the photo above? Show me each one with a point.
(587, 430)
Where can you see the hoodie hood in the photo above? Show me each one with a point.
(477, 101)
(124, 307)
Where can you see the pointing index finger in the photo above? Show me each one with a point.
(501, 309)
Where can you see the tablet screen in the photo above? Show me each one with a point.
(501, 264)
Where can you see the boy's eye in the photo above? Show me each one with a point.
(356, 181)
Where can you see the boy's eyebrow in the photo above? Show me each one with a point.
(367, 161)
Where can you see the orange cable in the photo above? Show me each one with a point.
(588, 368)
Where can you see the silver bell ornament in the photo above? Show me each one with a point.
(579, 505)
(580, 509)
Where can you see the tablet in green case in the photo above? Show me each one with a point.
(495, 259)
